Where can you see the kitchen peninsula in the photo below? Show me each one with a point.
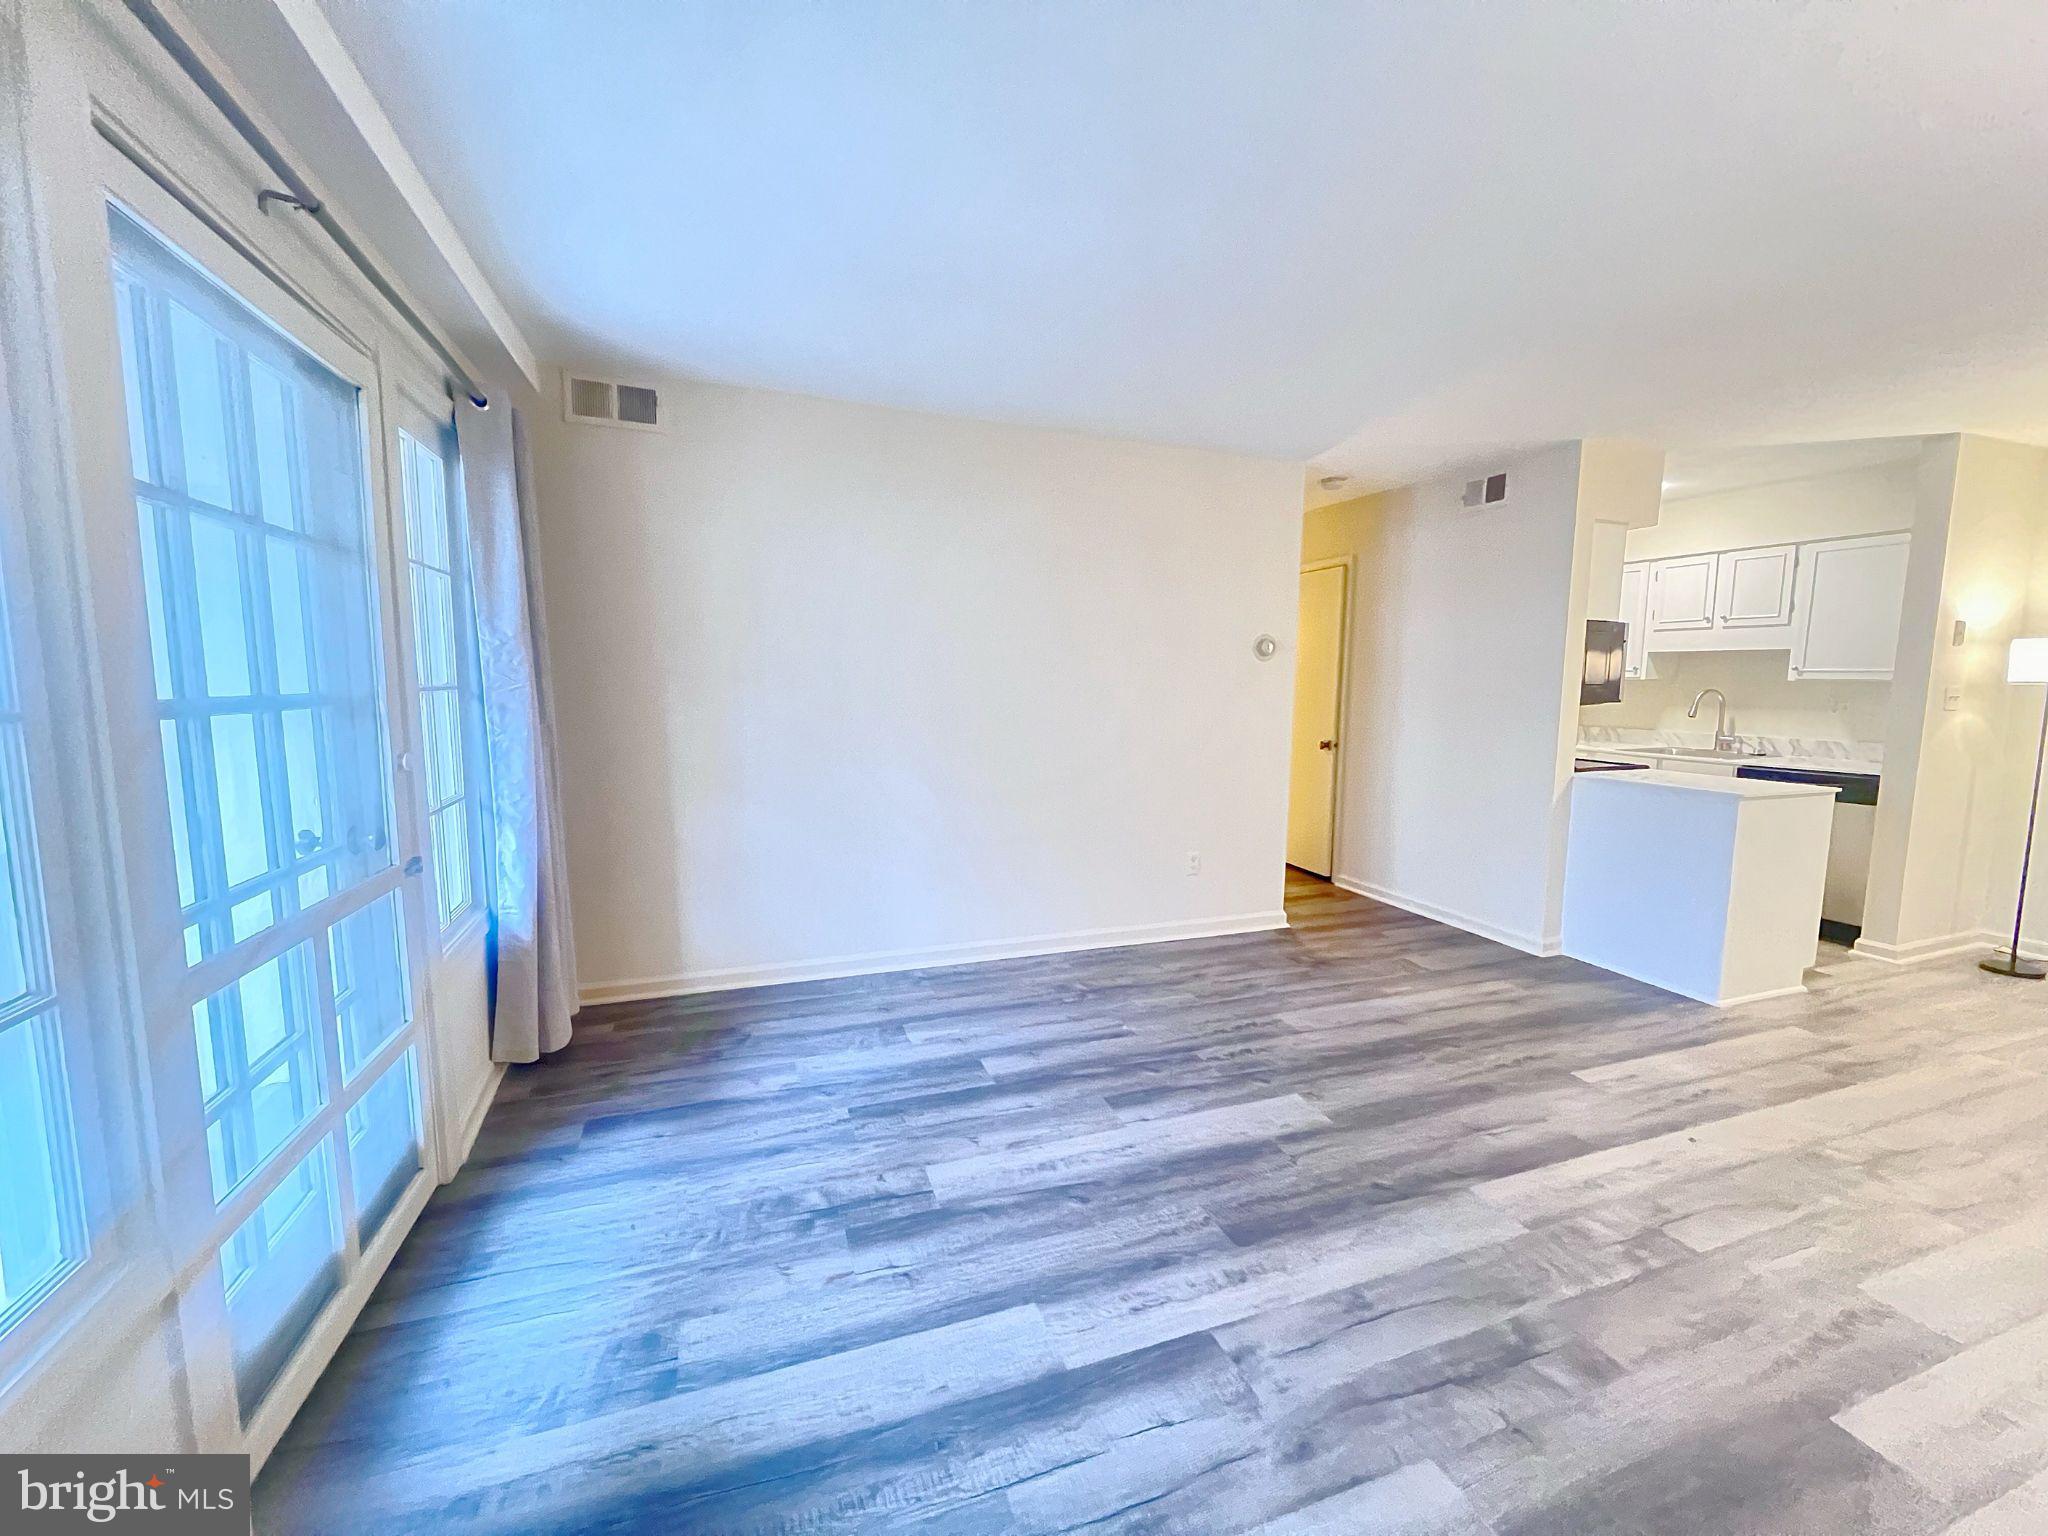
(1706, 886)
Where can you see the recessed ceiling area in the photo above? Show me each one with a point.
(1389, 239)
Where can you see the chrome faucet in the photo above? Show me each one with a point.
(1723, 742)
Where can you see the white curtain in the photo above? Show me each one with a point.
(532, 946)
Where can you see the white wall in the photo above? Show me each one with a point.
(1878, 499)
(844, 688)
(1466, 651)
(1949, 819)
(2017, 750)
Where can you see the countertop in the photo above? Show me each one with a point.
(1847, 767)
(1704, 784)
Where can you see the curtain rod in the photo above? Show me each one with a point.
(297, 193)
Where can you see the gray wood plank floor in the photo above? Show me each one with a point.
(1367, 1226)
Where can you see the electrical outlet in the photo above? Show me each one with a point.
(1194, 863)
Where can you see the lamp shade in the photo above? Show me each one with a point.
(2027, 662)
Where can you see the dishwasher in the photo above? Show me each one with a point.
(1841, 907)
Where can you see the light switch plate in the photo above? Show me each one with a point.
(1952, 697)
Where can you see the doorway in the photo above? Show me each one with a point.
(1319, 659)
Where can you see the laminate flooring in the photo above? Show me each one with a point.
(1367, 1226)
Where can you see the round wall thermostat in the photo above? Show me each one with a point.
(1265, 647)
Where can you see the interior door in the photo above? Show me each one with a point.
(1318, 703)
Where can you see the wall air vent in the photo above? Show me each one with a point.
(1484, 493)
(600, 402)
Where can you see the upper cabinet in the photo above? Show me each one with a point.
(1849, 596)
(1832, 603)
(1635, 613)
(1682, 594)
(1754, 588)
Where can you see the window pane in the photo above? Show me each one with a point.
(451, 859)
(384, 1144)
(175, 788)
(251, 917)
(308, 829)
(430, 521)
(270, 399)
(258, 1064)
(20, 946)
(279, 1269)
(447, 692)
(370, 994)
(244, 848)
(434, 626)
(39, 1226)
(288, 615)
(125, 310)
(441, 708)
(197, 357)
(263, 619)
(153, 595)
(218, 596)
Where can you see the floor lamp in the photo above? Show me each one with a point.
(2027, 662)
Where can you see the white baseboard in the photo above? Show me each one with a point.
(1921, 949)
(474, 1123)
(1755, 997)
(2030, 949)
(1528, 943)
(829, 969)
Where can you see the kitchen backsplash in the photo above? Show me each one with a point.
(1772, 746)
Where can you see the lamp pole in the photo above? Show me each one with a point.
(2012, 964)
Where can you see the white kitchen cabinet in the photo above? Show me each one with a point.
(1753, 587)
(1682, 594)
(1723, 600)
(1846, 603)
(1635, 613)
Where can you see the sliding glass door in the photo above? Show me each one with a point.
(268, 636)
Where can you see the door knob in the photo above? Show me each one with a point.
(1326, 746)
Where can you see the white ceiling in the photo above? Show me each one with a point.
(1390, 237)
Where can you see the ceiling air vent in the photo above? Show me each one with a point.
(601, 402)
(1484, 493)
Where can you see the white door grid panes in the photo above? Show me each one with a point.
(249, 491)
(444, 657)
(260, 575)
(42, 1225)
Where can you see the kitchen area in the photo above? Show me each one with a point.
(1732, 725)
